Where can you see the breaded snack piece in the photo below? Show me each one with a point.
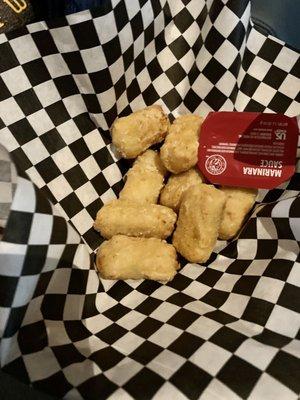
(134, 134)
(239, 202)
(177, 185)
(122, 217)
(145, 179)
(124, 257)
(180, 150)
(198, 223)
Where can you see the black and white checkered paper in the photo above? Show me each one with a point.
(228, 329)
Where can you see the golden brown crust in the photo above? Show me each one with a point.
(177, 185)
(122, 217)
(135, 133)
(124, 257)
(145, 179)
(198, 223)
(239, 202)
(179, 153)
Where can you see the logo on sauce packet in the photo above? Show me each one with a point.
(216, 164)
(247, 149)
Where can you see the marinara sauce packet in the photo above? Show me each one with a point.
(248, 149)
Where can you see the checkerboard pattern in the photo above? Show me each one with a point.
(8, 177)
(228, 329)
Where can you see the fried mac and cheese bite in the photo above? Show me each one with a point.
(145, 179)
(123, 217)
(124, 257)
(135, 133)
(239, 202)
(198, 223)
(177, 185)
(180, 149)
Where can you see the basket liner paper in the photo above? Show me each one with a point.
(224, 330)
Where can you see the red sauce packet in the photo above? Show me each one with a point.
(247, 149)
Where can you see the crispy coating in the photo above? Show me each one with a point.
(177, 185)
(122, 217)
(124, 257)
(180, 150)
(134, 134)
(239, 202)
(198, 223)
(145, 179)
